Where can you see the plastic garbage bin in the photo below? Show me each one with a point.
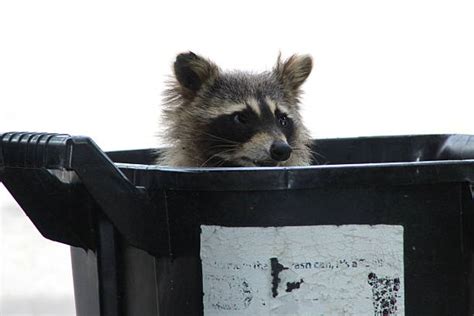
(383, 227)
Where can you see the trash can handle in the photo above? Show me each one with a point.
(34, 150)
(127, 207)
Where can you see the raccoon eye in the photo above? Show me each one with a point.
(240, 118)
(283, 120)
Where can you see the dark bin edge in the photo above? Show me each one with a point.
(285, 178)
(117, 197)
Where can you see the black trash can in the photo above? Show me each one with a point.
(380, 226)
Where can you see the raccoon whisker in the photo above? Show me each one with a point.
(207, 160)
(193, 137)
(318, 154)
(311, 151)
(317, 161)
(314, 154)
(216, 155)
(223, 147)
(220, 138)
(221, 163)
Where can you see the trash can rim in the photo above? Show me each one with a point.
(298, 177)
(198, 170)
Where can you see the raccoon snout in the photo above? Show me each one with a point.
(280, 151)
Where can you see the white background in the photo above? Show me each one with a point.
(98, 68)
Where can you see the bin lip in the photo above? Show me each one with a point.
(311, 167)
(302, 177)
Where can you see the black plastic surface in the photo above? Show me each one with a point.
(52, 172)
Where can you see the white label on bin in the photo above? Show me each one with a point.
(304, 270)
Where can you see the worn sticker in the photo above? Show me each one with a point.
(303, 270)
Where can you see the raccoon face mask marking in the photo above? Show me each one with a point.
(217, 118)
(252, 137)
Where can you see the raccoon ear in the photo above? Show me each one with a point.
(192, 71)
(293, 71)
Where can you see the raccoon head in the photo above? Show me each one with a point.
(217, 118)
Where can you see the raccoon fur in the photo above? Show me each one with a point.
(235, 119)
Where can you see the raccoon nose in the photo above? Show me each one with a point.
(280, 151)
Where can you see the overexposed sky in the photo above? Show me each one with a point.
(97, 68)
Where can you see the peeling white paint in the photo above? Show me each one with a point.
(325, 270)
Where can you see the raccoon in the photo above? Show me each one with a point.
(235, 119)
